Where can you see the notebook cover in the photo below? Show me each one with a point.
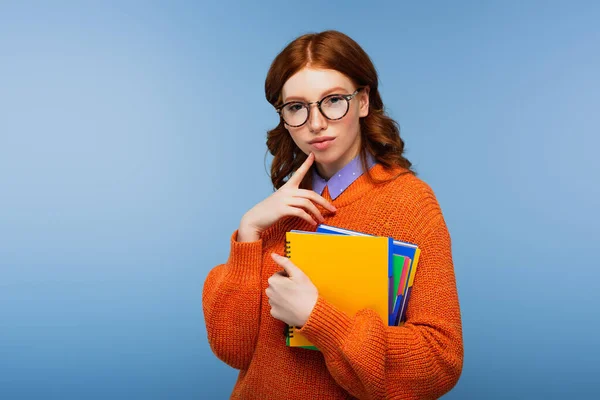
(400, 248)
(350, 272)
(411, 280)
(400, 289)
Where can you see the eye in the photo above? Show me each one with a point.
(334, 100)
(294, 107)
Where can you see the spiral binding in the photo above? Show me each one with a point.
(289, 330)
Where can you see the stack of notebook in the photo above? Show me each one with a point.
(353, 270)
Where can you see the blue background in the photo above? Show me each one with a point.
(132, 140)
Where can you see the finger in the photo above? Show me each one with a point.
(314, 196)
(274, 279)
(287, 264)
(305, 203)
(283, 274)
(274, 313)
(300, 213)
(301, 171)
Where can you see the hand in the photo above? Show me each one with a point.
(289, 200)
(291, 293)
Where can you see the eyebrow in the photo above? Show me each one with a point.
(325, 93)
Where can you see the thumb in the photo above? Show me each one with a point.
(290, 268)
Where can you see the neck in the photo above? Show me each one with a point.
(326, 171)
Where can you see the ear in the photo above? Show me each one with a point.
(363, 110)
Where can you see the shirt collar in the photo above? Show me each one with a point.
(343, 178)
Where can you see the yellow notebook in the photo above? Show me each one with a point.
(350, 272)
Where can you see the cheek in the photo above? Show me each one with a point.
(296, 135)
(350, 123)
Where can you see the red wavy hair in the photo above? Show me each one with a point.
(380, 134)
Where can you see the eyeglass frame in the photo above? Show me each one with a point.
(347, 97)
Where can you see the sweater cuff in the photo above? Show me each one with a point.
(245, 258)
(327, 327)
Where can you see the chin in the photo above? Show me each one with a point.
(325, 157)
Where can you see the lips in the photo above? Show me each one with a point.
(321, 139)
(322, 144)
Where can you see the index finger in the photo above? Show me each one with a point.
(296, 179)
(317, 198)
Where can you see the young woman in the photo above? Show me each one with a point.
(338, 160)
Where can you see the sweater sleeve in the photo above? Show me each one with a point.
(232, 292)
(422, 359)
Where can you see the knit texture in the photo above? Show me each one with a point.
(360, 356)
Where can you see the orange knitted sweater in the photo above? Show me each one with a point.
(360, 356)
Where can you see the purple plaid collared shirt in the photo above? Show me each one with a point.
(342, 179)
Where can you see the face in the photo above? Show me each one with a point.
(342, 136)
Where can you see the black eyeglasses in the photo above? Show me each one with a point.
(333, 107)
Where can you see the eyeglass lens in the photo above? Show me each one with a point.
(332, 107)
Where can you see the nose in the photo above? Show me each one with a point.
(316, 121)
